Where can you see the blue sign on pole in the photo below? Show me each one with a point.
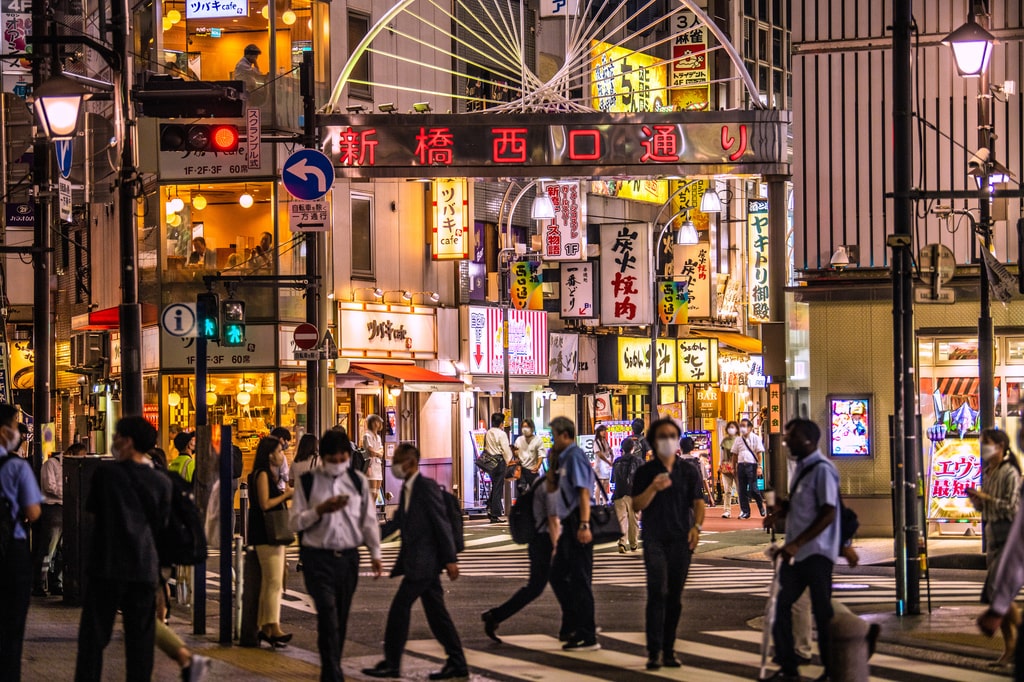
(63, 149)
(308, 174)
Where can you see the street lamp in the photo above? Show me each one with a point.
(57, 103)
(972, 48)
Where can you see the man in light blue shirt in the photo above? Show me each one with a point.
(811, 549)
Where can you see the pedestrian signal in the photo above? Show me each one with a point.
(208, 314)
(233, 319)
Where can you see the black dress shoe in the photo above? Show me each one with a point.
(382, 670)
(450, 672)
(669, 660)
(653, 663)
(490, 626)
(272, 641)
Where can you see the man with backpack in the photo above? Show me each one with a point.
(623, 470)
(20, 504)
(428, 546)
(131, 504)
(335, 515)
(813, 535)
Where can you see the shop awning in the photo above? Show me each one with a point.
(109, 318)
(745, 344)
(411, 377)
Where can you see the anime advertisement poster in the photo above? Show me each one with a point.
(850, 426)
(955, 469)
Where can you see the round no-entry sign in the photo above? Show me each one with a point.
(306, 337)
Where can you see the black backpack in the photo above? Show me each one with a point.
(183, 541)
(359, 460)
(848, 521)
(453, 510)
(521, 523)
(8, 522)
(623, 472)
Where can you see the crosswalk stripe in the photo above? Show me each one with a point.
(507, 665)
(882, 660)
(618, 659)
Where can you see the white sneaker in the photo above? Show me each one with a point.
(727, 515)
(198, 668)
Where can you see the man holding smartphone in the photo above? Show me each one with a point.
(334, 514)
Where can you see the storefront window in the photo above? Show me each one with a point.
(294, 403)
(246, 402)
(1015, 351)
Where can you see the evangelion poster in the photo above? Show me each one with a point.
(955, 469)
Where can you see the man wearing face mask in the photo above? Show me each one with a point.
(334, 514)
(668, 490)
(811, 549)
(748, 450)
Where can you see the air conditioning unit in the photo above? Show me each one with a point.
(88, 349)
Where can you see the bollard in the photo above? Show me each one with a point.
(243, 510)
(251, 580)
(239, 575)
(849, 645)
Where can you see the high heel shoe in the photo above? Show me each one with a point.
(274, 642)
(281, 640)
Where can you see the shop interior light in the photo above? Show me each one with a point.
(173, 220)
(543, 208)
(246, 200)
(243, 398)
(309, 24)
(286, 397)
(173, 399)
(198, 202)
(211, 398)
(687, 234)
(176, 204)
(166, 23)
(174, 15)
(395, 391)
(972, 48)
(288, 17)
(300, 397)
(265, 12)
(710, 202)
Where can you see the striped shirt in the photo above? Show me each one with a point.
(1003, 484)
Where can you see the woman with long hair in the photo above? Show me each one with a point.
(998, 500)
(373, 444)
(307, 456)
(264, 484)
(727, 468)
(603, 457)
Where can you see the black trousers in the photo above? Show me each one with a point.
(540, 570)
(667, 565)
(102, 600)
(431, 594)
(815, 574)
(494, 502)
(571, 574)
(331, 579)
(526, 479)
(46, 536)
(15, 591)
(746, 479)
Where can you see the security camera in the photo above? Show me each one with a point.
(978, 160)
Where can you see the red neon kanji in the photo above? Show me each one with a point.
(728, 141)
(357, 149)
(584, 145)
(435, 146)
(509, 145)
(662, 145)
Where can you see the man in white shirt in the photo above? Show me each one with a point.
(749, 451)
(334, 514)
(496, 441)
(47, 575)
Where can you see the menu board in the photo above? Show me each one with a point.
(849, 426)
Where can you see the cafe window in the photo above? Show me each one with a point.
(359, 80)
(1015, 351)
(362, 236)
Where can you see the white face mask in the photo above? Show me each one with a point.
(731, 430)
(398, 470)
(744, 430)
(335, 468)
(527, 431)
(990, 451)
(667, 447)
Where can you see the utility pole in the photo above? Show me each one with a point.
(906, 463)
(307, 84)
(986, 141)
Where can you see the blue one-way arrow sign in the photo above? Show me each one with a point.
(63, 150)
(308, 174)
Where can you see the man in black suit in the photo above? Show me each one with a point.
(428, 547)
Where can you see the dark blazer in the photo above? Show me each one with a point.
(427, 541)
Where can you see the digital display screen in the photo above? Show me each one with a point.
(850, 426)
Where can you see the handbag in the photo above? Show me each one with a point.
(489, 462)
(604, 525)
(276, 523)
(514, 470)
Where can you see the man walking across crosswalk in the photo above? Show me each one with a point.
(668, 491)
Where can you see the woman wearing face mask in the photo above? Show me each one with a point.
(998, 500)
(528, 449)
(727, 468)
(603, 460)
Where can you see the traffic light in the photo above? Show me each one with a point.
(233, 318)
(208, 315)
(221, 137)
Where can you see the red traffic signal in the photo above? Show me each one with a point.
(224, 138)
(221, 137)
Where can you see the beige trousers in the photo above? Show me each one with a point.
(627, 521)
(272, 569)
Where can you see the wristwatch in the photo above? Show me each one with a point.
(697, 526)
(585, 525)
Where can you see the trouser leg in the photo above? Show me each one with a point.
(559, 578)
(743, 480)
(580, 574)
(15, 594)
(816, 573)
(319, 572)
(679, 555)
(100, 602)
(790, 589)
(656, 564)
(634, 523)
(396, 633)
(622, 513)
(802, 625)
(540, 569)
(138, 610)
(494, 502)
(441, 624)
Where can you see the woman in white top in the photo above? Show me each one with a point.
(528, 450)
(602, 460)
(307, 456)
(371, 442)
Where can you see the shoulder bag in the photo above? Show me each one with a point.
(276, 523)
(604, 525)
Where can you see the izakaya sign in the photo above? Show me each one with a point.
(451, 220)
(757, 256)
(563, 145)
(626, 81)
(527, 293)
(625, 276)
(693, 270)
(577, 290)
(635, 360)
(527, 342)
(564, 354)
(698, 361)
(565, 237)
(382, 331)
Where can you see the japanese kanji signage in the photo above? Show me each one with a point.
(625, 276)
(626, 81)
(635, 360)
(16, 17)
(310, 216)
(698, 361)
(757, 258)
(672, 299)
(689, 200)
(559, 8)
(565, 237)
(451, 220)
(692, 267)
(215, 9)
(577, 290)
(774, 408)
(527, 341)
(526, 293)
(370, 330)
(955, 469)
(651, 190)
(566, 145)
(563, 357)
(690, 74)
